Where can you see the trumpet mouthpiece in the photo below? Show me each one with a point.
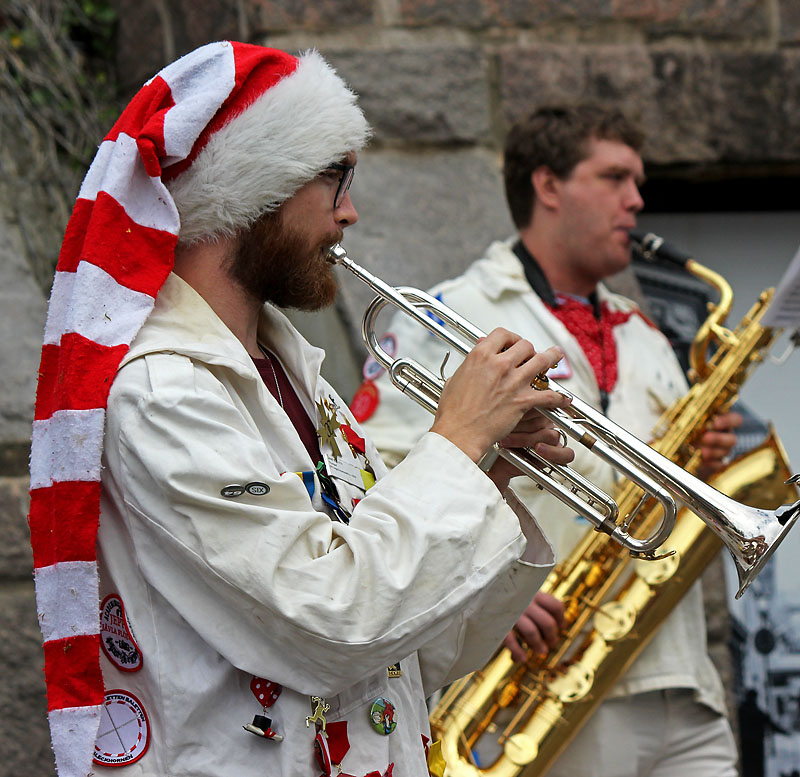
(336, 253)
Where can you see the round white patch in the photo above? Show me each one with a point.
(372, 367)
(124, 732)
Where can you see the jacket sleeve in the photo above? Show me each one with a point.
(466, 645)
(314, 604)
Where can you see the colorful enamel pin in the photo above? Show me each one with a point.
(266, 693)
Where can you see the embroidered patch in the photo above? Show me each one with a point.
(116, 637)
(124, 732)
(372, 367)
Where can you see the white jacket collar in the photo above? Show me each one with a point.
(500, 271)
(183, 322)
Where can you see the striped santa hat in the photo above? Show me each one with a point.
(215, 140)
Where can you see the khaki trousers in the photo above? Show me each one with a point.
(656, 734)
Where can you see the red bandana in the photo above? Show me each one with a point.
(595, 336)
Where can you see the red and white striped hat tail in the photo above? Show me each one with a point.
(117, 252)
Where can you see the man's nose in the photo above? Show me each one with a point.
(633, 198)
(346, 214)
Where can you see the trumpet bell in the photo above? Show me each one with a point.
(751, 535)
(751, 555)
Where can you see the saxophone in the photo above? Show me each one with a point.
(615, 603)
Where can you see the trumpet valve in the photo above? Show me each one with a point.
(541, 382)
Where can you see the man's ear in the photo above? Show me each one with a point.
(545, 186)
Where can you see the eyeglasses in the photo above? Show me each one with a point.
(347, 172)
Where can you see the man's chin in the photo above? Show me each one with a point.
(323, 296)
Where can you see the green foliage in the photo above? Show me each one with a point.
(57, 88)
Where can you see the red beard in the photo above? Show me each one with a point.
(275, 264)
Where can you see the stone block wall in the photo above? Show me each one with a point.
(24, 741)
(716, 84)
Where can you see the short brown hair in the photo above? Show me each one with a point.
(557, 137)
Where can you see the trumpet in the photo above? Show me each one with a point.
(750, 534)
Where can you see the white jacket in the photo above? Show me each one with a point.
(495, 292)
(431, 571)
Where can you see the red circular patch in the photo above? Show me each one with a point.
(365, 402)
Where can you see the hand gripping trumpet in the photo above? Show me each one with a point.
(750, 534)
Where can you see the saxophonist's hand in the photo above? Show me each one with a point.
(717, 443)
(539, 627)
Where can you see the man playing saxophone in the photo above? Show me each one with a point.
(572, 177)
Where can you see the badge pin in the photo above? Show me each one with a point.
(232, 491)
(266, 693)
(320, 707)
(331, 746)
(261, 727)
(328, 426)
(382, 716)
(394, 670)
(365, 401)
(257, 488)
(372, 367)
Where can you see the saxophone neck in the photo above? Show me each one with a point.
(712, 329)
(654, 249)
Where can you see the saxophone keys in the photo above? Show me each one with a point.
(573, 684)
(657, 572)
(521, 749)
(614, 620)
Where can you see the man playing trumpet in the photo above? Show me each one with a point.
(193, 473)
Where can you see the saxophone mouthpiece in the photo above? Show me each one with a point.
(654, 248)
(336, 254)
